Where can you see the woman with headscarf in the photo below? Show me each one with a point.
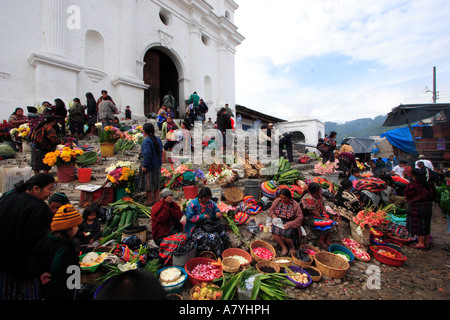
(25, 219)
(166, 217)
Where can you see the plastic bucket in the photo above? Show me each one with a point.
(84, 175)
(181, 260)
(190, 192)
(252, 188)
(107, 149)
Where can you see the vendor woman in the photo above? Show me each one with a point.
(316, 216)
(291, 215)
(201, 208)
(167, 217)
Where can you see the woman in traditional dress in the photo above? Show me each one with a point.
(419, 195)
(291, 215)
(315, 215)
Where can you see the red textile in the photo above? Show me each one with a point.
(164, 216)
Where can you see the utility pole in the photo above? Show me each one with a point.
(434, 85)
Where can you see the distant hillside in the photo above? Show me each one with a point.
(359, 128)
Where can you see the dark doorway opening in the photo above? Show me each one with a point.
(161, 74)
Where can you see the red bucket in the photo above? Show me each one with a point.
(190, 192)
(84, 175)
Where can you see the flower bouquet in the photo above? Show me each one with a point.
(63, 155)
(21, 133)
(5, 130)
(174, 178)
(109, 134)
(122, 175)
(219, 174)
(325, 168)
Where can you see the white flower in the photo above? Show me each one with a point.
(127, 266)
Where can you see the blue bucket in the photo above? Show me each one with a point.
(338, 247)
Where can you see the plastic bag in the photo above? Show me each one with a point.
(277, 222)
(253, 226)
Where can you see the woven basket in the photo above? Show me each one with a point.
(233, 196)
(331, 265)
(208, 254)
(284, 264)
(267, 263)
(230, 265)
(86, 159)
(262, 244)
(238, 252)
(314, 278)
(301, 263)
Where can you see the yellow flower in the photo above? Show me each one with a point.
(49, 159)
(112, 179)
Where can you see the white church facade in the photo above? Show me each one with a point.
(137, 50)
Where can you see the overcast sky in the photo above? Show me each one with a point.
(340, 60)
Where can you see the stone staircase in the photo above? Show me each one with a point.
(98, 177)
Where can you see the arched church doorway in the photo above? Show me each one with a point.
(298, 136)
(161, 74)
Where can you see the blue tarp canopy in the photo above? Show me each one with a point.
(401, 138)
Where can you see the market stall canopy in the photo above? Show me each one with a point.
(401, 138)
(408, 113)
(360, 145)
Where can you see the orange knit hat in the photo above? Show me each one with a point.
(65, 218)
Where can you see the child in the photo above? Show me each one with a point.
(55, 253)
(89, 230)
(127, 113)
(57, 200)
(150, 170)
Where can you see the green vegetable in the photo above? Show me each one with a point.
(114, 234)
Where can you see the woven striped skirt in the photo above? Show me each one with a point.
(12, 288)
(37, 156)
(418, 218)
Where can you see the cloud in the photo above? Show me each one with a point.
(339, 59)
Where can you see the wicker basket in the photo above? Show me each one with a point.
(238, 252)
(301, 263)
(233, 196)
(314, 278)
(262, 244)
(267, 263)
(91, 278)
(230, 265)
(331, 265)
(208, 254)
(283, 264)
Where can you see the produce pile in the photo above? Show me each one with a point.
(299, 277)
(205, 291)
(92, 259)
(125, 213)
(263, 253)
(205, 272)
(285, 175)
(171, 276)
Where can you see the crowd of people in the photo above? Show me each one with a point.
(410, 184)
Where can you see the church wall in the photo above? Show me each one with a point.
(33, 80)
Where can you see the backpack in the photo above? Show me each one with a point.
(323, 147)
